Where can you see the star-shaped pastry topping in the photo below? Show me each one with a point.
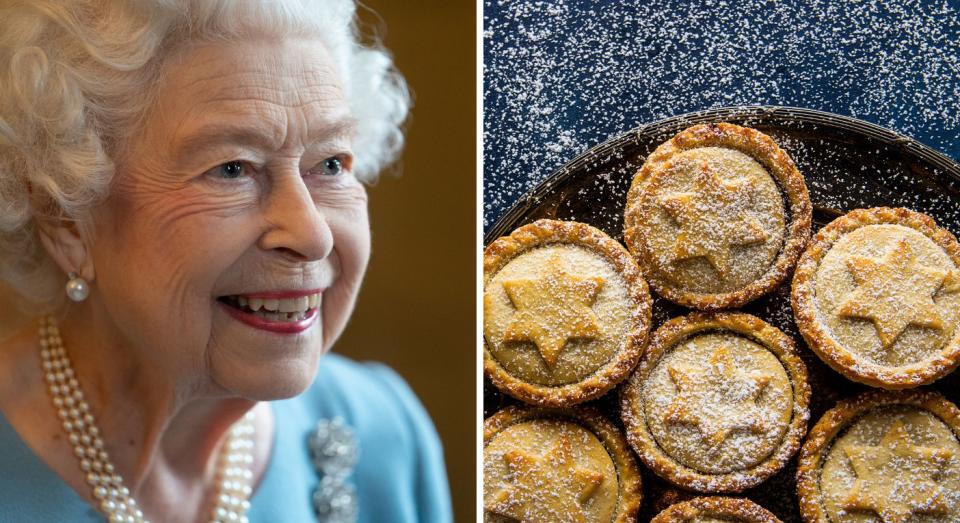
(547, 488)
(553, 309)
(896, 292)
(897, 479)
(718, 399)
(951, 283)
(714, 218)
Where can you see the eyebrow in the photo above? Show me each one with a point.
(245, 134)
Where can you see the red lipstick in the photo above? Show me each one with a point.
(280, 295)
(280, 327)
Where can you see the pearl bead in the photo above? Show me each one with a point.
(105, 484)
(77, 289)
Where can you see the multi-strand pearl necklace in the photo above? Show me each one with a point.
(106, 485)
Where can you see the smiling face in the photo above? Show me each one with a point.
(237, 194)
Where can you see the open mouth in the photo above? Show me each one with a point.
(283, 310)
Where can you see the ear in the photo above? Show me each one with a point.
(67, 246)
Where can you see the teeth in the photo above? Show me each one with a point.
(294, 304)
(287, 305)
(282, 316)
(303, 303)
(292, 308)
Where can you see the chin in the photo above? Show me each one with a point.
(263, 366)
(268, 382)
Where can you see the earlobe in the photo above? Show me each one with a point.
(67, 247)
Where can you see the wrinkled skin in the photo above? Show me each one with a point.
(162, 363)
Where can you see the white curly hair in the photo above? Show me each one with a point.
(77, 78)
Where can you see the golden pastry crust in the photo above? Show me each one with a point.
(838, 420)
(627, 474)
(642, 205)
(716, 507)
(636, 307)
(824, 341)
(787, 416)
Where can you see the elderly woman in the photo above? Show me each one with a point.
(181, 206)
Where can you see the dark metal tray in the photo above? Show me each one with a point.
(847, 164)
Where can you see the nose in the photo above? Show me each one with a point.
(296, 227)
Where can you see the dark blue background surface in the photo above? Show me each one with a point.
(560, 77)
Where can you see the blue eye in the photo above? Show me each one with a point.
(331, 166)
(230, 170)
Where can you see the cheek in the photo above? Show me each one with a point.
(351, 232)
(157, 257)
(177, 231)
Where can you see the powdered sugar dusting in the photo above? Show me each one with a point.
(562, 76)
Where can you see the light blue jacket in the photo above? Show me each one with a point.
(400, 476)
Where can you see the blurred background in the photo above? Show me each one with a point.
(562, 77)
(417, 308)
(416, 311)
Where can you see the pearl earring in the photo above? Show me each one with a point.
(77, 287)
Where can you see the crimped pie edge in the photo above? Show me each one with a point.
(830, 351)
(742, 508)
(629, 487)
(820, 439)
(547, 232)
(783, 171)
(665, 338)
